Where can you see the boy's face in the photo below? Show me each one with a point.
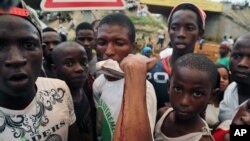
(51, 39)
(113, 42)
(184, 31)
(86, 38)
(20, 55)
(71, 66)
(240, 61)
(190, 91)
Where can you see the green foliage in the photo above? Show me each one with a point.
(145, 21)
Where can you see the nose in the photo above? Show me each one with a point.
(15, 58)
(79, 68)
(86, 43)
(110, 50)
(181, 33)
(51, 46)
(184, 100)
(245, 62)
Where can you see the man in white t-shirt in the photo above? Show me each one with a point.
(31, 108)
(122, 100)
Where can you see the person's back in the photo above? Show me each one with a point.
(182, 41)
(237, 91)
(191, 87)
(32, 108)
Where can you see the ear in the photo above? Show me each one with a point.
(201, 33)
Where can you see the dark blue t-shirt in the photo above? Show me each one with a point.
(159, 77)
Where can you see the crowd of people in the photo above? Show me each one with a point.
(96, 89)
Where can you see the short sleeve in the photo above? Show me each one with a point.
(69, 104)
(151, 105)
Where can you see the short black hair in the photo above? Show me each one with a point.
(49, 29)
(198, 62)
(188, 6)
(83, 26)
(122, 20)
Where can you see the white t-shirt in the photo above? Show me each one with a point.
(166, 52)
(108, 99)
(47, 117)
(230, 102)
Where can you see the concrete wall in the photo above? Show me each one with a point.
(212, 26)
(217, 26)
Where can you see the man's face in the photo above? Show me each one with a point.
(113, 42)
(184, 31)
(86, 38)
(240, 61)
(50, 39)
(20, 55)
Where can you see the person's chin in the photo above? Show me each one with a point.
(182, 115)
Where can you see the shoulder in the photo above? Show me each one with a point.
(230, 89)
(158, 67)
(161, 112)
(50, 82)
(99, 80)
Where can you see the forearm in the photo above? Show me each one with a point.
(133, 123)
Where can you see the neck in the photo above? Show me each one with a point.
(17, 102)
(173, 58)
(187, 123)
(243, 92)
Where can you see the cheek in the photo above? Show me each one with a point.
(101, 50)
(233, 64)
(171, 34)
(36, 60)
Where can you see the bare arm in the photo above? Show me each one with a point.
(133, 122)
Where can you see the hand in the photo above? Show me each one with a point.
(138, 61)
